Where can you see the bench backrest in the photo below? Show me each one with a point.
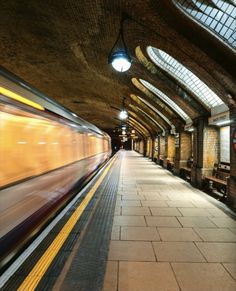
(222, 172)
(190, 162)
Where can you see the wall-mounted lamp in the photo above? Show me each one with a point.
(119, 57)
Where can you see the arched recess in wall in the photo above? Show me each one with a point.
(180, 112)
(143, 119)
(162, 106)
(185, 77)
(151, 110)
(172, 88)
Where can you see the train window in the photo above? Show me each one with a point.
(166, 99)
(166, 62)
(216, 15)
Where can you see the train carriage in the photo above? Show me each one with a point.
(46, 152)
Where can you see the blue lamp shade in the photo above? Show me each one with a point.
(120, 61)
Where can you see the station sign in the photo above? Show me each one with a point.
(189, 127)
(218, 118)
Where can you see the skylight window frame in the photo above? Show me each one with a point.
(229, 35)
(170, 65)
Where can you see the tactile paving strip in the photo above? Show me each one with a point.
(88, 267)
(54, 270)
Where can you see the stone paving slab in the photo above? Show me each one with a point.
(203, 277)
(168, 235)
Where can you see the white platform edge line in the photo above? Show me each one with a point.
(21, 259)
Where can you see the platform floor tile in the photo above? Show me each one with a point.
(131, 251)
(139, 233)
(178, 234)
(216, 234)
(192, 221)
(140, 276)
(218, 252)
(127, 220)
(169, 236)
(110, 281)
(162, 221)
(203, 277)
(231, 268)
(177, 252)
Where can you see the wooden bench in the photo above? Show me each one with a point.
(170, 165)
(217, 183)
(161, 162)
(185, 172)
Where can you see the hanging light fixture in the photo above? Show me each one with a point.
(119, 57)
(123, 113)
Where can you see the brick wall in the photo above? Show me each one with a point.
(205, 151)
(162, 147)
(185, 146)
(184, 151)
(232, 182)
(155, 149)
(150, 148)
(171, 147)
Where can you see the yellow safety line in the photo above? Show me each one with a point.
(36, 274)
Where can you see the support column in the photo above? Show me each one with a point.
(169, 149)
(161, 149)
(145, 147)
(155, 149)
(183, 150)
(231, 199)
(205, 151)
(166, 150)
(149, 147)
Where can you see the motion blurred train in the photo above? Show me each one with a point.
(46, 151)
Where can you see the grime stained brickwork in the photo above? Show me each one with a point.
(205, 151)
(183, 150)
(171, 147)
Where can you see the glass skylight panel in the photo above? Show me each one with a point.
(185, 76)
(216, 15)
(166, 99)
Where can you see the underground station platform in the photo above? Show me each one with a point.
(134, 227)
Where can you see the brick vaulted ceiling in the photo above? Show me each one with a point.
(61, 48)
